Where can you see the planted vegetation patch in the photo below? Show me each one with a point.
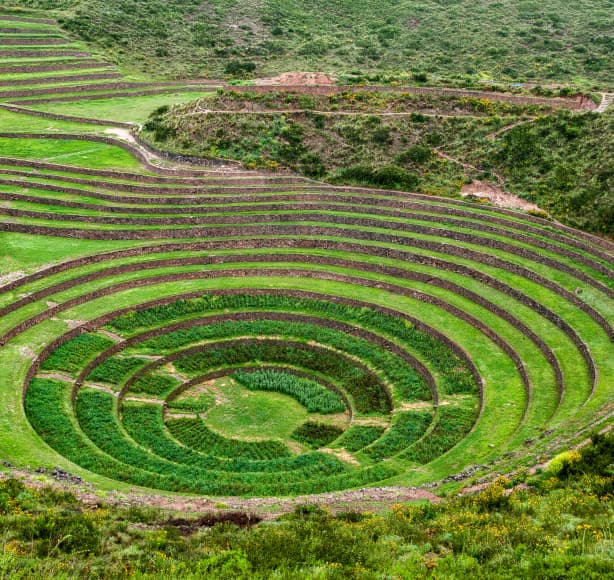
(317, 434)
(313, 396)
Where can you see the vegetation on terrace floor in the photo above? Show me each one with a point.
(558, 527)
(551, 40)
(560, 161)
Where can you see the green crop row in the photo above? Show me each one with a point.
(196, 435)
(145, 424)
(47, 406)
(313, 396)
(95, 412)
(453, 423)
(365, 389)
(359, 436)
(407, 428)
(74, 354)
(408, 384)
(456, 376)
(115, 370)
(152, 384)
(197, 404)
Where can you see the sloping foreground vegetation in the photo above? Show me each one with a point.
(559, 526)
(553, 40)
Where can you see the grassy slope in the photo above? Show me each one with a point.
(95, 155)
(248, 414)
(122, 109)
(560, 527)
(553, 40)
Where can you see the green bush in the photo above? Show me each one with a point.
(74, 354)
(416, 154)
(239, 68)
(316, 435)
(407, 427)
(387, 176)
(359, 436)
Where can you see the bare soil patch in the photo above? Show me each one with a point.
(299, 79)
(497, 196)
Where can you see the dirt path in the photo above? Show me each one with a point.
(145, 400)
(493, 136)
(200, 111)
(606, 100)
(126, 135)
(111, 335)
(574, 103)
(56, 377)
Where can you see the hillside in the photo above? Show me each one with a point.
(559, 160)
(550, 41)
(564, 164)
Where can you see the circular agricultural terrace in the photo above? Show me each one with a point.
(267, 335)
(229, 332)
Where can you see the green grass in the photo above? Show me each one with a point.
(76, 153)
(24, 252)
(123, 109)
(15, 122)
(246, 414)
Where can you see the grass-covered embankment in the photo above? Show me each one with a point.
(558, 527)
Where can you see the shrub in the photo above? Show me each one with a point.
(416, 154)
(359, 436)
(387, 176)
(74, 354)
(407, 427)
(594, 459)
(316, 435)
(239, 68)
(381, 136)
